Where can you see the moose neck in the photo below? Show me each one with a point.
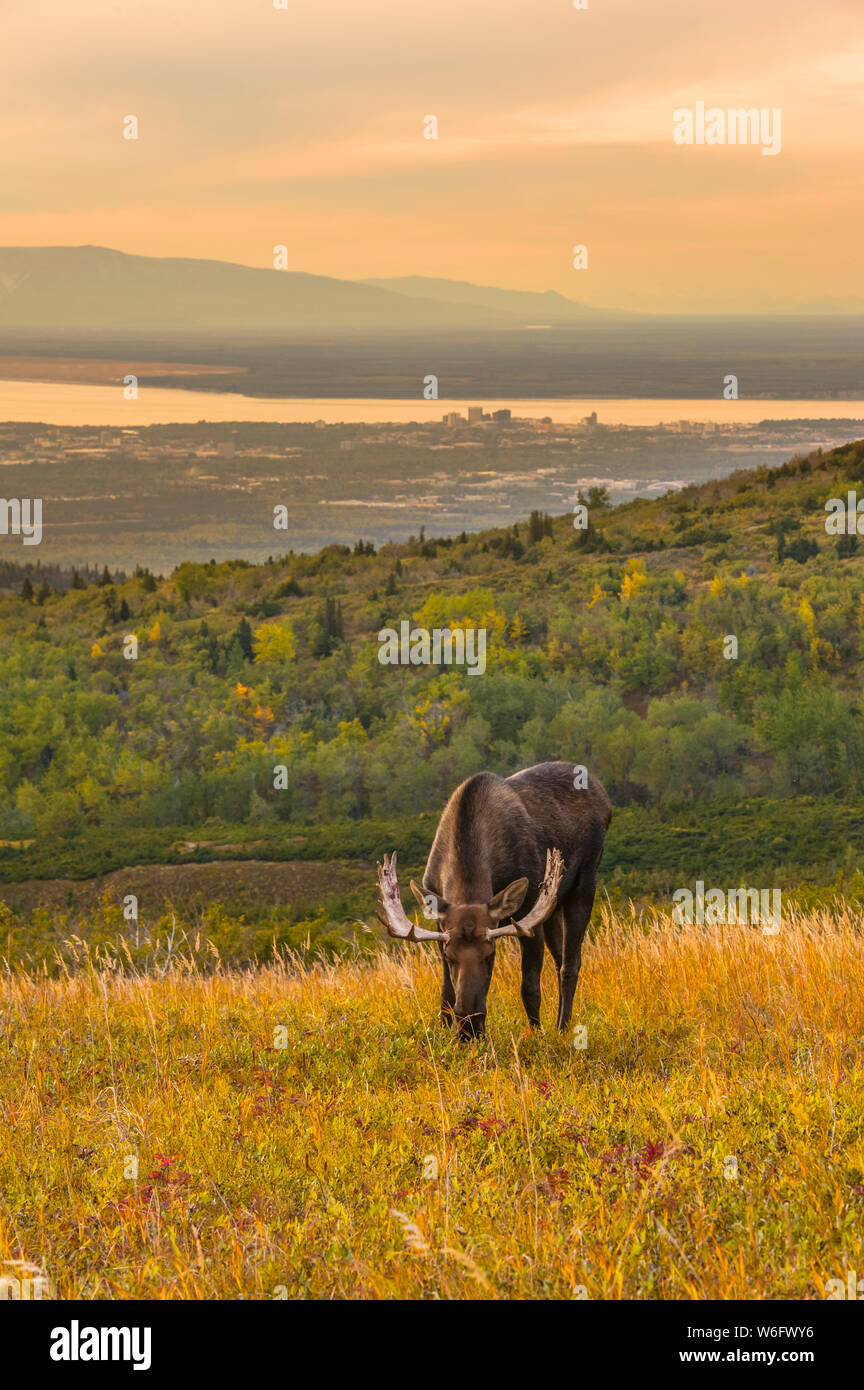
(485, 839)
(475, 887)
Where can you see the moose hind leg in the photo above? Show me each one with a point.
(577, 914)
(532, 967)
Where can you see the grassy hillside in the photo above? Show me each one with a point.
(605, 647)
(301, 1133)
(207, 1126)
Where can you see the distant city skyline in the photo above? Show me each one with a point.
(260, 127)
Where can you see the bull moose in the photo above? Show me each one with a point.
(529, 843)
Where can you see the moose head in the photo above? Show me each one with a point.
(467, 932)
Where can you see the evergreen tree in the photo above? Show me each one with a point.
(846, 546)
(328, 629)
(243, 636)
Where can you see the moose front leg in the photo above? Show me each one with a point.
(448, 993)
(532, 967)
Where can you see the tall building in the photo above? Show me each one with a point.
(475, 413)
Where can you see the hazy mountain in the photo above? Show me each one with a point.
(90, 290)
(526, 305)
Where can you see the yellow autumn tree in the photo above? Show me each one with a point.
(807, 616)
(633, 580)
(494, 622)
(456, 610)
(274, 642)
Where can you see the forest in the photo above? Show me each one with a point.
(255, 714)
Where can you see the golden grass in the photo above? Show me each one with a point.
(298, 1171)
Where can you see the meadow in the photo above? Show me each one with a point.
(308, 1129)
(244, 1092)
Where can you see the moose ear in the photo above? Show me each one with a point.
(508, 901)
(432, 905)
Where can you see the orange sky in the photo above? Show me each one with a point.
(304, 126)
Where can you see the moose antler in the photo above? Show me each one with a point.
(396, 919)
(545, 904)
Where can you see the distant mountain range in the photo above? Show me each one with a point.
(526, 306)
(93, 291)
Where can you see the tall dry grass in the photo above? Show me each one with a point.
(708, 1142)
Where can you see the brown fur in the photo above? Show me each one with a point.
(495, 831)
